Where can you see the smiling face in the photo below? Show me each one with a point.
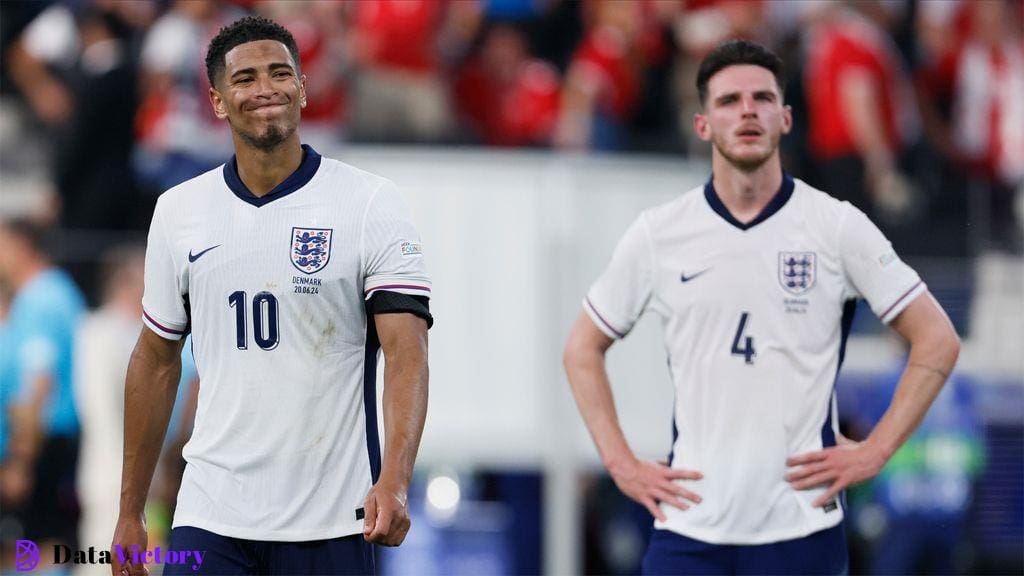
(260, 93)
(743, 117)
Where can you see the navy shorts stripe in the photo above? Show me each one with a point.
(820, 553)
(223, 555)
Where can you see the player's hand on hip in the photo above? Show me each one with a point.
(652, 482)
(130, 532)
(386, 520)
(844, 441)
(837, 467)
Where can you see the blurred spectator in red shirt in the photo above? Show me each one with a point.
(981, 76)
(699, 26)
(984, 75)
(320, 30)
(603, 84)
(507, 97)
(177, 134)
(402, 48)
(861, 112)
(707, 23)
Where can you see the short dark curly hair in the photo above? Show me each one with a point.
(248, 29)
(733, 52)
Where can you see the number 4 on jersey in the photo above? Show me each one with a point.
(747, 351)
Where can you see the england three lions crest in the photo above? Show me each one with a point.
(797, 271)
(311, 248)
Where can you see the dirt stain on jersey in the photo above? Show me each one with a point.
(322, 343)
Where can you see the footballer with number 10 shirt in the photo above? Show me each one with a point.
(291, 270)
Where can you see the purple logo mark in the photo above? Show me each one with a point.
(26, 555)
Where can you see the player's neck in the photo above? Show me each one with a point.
(746, 193)
(262, 170)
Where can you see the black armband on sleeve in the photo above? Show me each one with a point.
(385, 302)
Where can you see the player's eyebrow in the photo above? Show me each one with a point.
(728, 96)
(242, 72)
(252, 70)
(731, 96)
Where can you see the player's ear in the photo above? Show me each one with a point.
(701, 127)
(302, 90)
(787, 119)
(217, 102)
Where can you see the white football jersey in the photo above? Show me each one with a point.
(285, 445)
(755, 320)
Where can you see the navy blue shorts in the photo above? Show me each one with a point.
(223, 555)
(821, 553)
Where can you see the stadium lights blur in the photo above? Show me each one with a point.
(443, 496)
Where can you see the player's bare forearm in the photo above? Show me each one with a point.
(584, 362)
(403, 338)
(150, 388)
(645, 482)
(26, 417)
(26, 438)
(934, 347)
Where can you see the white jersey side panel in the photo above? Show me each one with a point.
(285, 441)
(754, 323)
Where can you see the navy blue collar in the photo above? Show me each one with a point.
(302, 175)
(776, 203)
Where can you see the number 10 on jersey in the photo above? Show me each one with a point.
(264, 319)
(747, 351)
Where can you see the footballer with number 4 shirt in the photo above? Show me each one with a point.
(754, 276)
(291, 271)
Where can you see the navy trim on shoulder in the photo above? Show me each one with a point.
(302, 175)
(777, 202)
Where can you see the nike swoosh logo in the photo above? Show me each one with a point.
(683, 277)
(193, 257)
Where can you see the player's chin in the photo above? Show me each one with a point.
(749, 159)
(268, 137)
(751, 149)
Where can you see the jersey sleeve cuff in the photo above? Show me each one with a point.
(411, 285)
(904, 300)
(164, 329)
(599, 320)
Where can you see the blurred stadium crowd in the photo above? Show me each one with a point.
(910, 109)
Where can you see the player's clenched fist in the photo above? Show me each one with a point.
(652, 482)
(129, 532)
(387, 515)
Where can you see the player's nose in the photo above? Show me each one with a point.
(264, 87)
(747, 106)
